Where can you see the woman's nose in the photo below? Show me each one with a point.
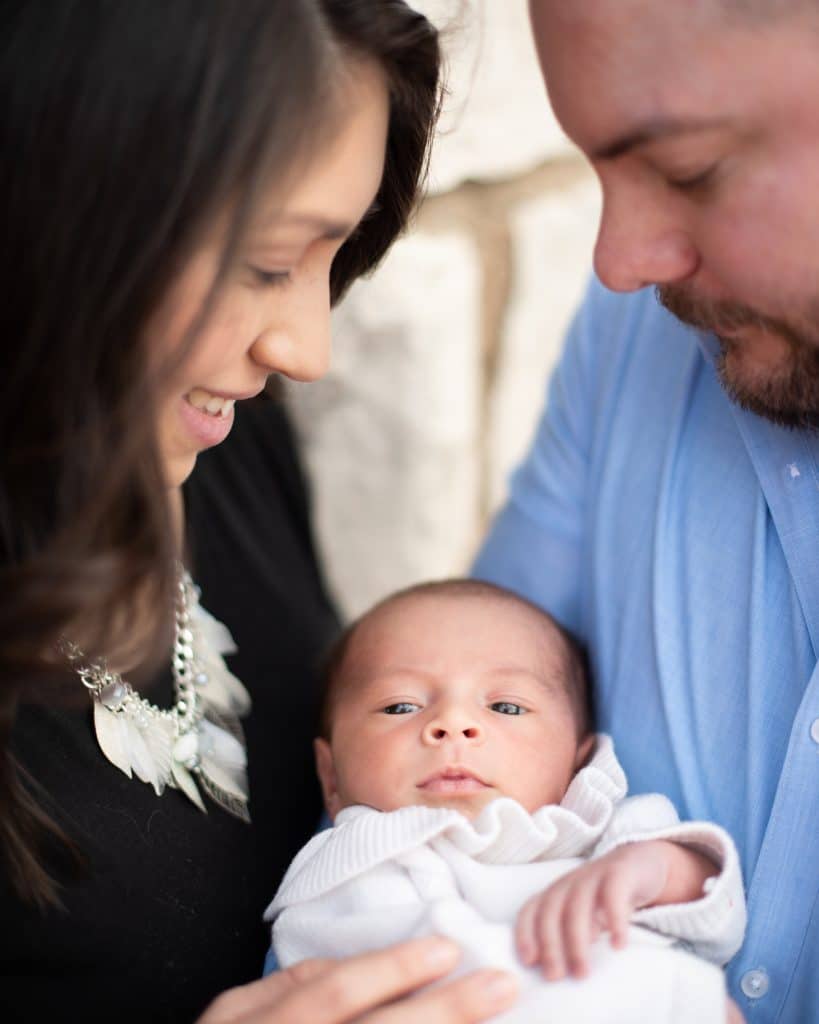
(297, 342)
(298, 353)
(642, 241)
(452, 724)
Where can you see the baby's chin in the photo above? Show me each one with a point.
(468, 804)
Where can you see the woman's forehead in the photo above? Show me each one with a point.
(338, 179)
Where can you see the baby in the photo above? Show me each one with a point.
(471, 799)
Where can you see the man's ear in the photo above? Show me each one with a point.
(585, 749)
(327, 776)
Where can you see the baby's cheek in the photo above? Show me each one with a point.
(366, 777)
(546, 769)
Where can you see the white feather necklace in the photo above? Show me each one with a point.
(200, 738)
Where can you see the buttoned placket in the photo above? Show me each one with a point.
(787, 467)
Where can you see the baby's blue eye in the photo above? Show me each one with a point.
(402, 708)
(506, 707)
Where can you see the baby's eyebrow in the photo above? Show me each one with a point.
(519, 671)
(553, 682)
(512, 669)
(385, 681)
(406, 671)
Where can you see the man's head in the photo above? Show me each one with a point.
(702, 122)
(450, 695)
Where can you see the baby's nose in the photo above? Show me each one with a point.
(453, 725)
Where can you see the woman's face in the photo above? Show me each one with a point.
(272, 313)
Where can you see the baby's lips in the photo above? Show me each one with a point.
(453, 779)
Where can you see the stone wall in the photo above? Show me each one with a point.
(441, 358)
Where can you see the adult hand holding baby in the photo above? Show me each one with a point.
(364, 988)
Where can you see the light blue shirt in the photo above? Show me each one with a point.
(678, 536)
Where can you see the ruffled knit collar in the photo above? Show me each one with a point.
(503, 833)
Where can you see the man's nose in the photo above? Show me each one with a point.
(642, 239)
(453, 723)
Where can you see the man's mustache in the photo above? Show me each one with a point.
(719, 317)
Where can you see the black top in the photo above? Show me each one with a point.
(171, 912)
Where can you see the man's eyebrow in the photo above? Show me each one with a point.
(652, 131)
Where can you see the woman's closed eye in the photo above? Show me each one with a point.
(403, 707)
(270, 278)
(507, 707)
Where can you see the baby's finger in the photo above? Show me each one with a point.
(578, 916)
(616, 909)
(549, 934)
(526, 937)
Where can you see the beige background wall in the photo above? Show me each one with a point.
(441, 358)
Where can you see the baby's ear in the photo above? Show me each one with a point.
(327, 776)
(585, 749)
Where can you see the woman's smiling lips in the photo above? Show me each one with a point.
(453, 780)
(205, 427)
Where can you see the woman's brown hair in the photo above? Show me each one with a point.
(126, 128)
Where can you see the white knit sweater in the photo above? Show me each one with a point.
(377, 878)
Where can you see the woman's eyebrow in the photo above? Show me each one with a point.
(326, 228)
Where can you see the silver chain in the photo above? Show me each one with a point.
(199, 737)
(116, 694)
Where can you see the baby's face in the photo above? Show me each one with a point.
(451, 701)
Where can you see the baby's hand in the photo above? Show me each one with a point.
(556, 928)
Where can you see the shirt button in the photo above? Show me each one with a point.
(814, 730)
(755, 983)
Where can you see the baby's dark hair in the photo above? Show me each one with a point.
(576, 672)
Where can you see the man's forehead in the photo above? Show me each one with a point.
(622, 72)
(596, 18)
(591, 12)
(640, 29)
(599, 53)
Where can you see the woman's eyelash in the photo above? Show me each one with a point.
(271, 278)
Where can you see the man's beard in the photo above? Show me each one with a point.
(789, 395)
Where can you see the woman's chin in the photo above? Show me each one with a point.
(178, 468)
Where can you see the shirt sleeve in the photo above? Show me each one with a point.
(536, 542)
(712, 926)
